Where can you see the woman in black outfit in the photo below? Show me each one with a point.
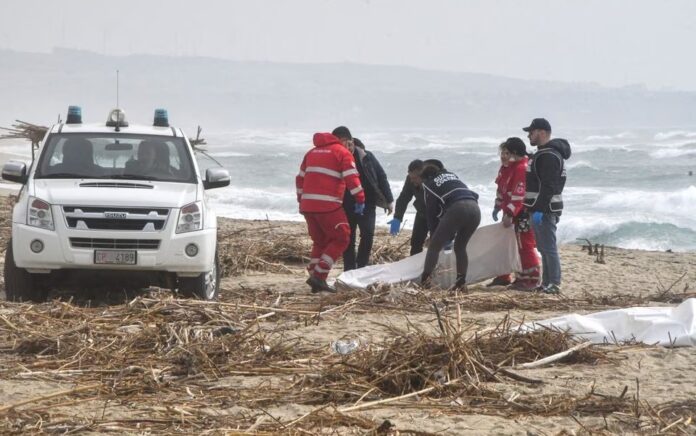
(453, 213)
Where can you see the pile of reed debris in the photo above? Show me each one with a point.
(162, 365)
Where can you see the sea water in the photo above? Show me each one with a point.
(628, 188)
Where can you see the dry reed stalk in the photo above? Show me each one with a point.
(24, 130)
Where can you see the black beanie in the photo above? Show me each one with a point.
(515, 146)
(434, 162)
(342, 132)
(416, 164)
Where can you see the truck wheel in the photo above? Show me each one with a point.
(20, 285)
(205, 287)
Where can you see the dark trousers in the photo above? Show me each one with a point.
(366, 224)
(459, 222)
(419, 233)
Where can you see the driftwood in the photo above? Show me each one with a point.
(596, 250)
(600, 254)
(553, 358)
(589, 247)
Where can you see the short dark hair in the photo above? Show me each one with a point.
(434, 162)
(342, 132)
(416, 164)
(515, 146)
(430, 171)
(358, 143)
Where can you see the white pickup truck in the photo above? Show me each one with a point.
(113, 204)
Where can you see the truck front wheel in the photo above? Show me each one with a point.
(205, 286)
(20, 285)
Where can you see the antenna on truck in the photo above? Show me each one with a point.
(117, 106)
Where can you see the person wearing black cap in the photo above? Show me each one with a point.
(412, 189)
(377, 194)
(511, 183)
(546, 177)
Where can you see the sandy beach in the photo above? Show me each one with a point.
(260, 361)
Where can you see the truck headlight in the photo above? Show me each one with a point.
(190, 218)
(39, 214)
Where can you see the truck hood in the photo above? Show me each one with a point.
(130, 193)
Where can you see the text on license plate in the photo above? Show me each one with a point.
(115, 257)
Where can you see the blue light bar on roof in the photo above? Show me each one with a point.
(161, 118)
(74, 115)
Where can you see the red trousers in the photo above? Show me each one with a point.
(330, 233)
(526, 244)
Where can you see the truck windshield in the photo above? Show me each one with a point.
(115, 156)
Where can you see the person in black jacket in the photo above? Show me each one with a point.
(412, 189)
(546, 177)
(377, 194)
(453, 213)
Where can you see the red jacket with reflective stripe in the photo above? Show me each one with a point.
(512, 184)
(326, 171)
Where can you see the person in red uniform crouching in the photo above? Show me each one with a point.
(326, 171)
(511, 183)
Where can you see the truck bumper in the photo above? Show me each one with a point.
(59, 253)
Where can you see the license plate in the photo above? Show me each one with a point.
(115, 257)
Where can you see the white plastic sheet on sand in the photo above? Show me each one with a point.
(492, 251)
(667, 326)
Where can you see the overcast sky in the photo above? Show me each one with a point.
(611, 42)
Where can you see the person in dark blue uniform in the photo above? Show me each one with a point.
(412, 189)
(453, 213)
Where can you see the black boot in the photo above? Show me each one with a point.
(313, 282)
(319, 285)
(460, 283)
(426, 282)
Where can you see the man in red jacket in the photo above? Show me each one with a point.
(511, 183)
(326, 171)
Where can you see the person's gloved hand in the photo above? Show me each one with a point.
(394, 226)
(496, 211)
(448, 245)
(359, 208)
(537, 217)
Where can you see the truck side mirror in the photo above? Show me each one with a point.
(15, 171)
(214, 178)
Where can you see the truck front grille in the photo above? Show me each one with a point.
(115, 218)
(126, 244)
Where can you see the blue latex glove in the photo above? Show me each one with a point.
(448, 245)
(537, 217)
(359, 208)
(394, 226)
(496, 211)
